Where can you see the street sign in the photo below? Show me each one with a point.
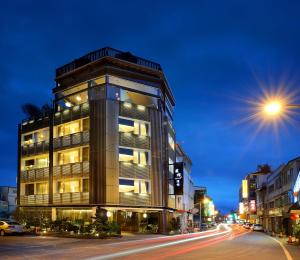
(178, 178)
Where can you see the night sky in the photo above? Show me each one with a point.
(216, 55)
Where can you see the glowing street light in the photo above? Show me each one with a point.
(273, 107)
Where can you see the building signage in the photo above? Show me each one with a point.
(252, 205)
(241, 208)
(178, 178)
(245, 189)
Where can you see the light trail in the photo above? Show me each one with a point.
(144, 249)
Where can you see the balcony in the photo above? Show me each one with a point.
(134, 141)
(71, 170)
(41, 174)
(133, 111)
(130, 170)
(134, 199)
(72, 113)
(71, 198)
(71, 140)
(34, 199)
(35, 148)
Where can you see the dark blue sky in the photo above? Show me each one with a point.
(214, 53)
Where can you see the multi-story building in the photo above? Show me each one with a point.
(8, 199)
(185, 202)
(247, 198)
(108, 143)
(281, 196)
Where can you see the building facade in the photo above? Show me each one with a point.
(185, 202)
(8, 201)
(108, 143)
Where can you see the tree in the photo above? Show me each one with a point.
(33, 111)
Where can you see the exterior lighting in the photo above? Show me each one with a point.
(142, 108)
(78, 98)
(68, 104)
(241, 208)
(206, 200)
(273, 108)
(128, 105)
(108, 214)
(145, 215)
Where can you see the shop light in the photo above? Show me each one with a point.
(68, 104)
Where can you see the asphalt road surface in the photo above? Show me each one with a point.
(218, 244)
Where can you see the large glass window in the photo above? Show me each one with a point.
(137, 127)
(126, 125)
(125, 155)
(29, 189)
(67, 129)
(171, 141)
(41, 188)
(68, 186)
(134, 186)
(71, 156)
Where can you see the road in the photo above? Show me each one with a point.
(218, 244)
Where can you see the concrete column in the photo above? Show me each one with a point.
(53, 214)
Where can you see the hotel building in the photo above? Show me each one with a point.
(108, 143)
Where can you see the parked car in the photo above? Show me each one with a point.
(257, 227)
(10, 227)
(247, 225)
(204, 226)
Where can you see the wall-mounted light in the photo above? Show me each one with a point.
(142, 108)
(145, 215)
(68, 104)
(128, 105)
(78, 98)
(108, 214)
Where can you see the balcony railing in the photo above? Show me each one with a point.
(133, 111)
(71, 170)
(80, 138)
(105, 52)
(72, 113)
(35, 148)
(135, 141)
(134, 199)
(71, 198)
(34, 199)
(131, 170)
(41, 174)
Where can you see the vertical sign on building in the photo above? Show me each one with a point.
(252, 206)
(245, 189)
(178, 178)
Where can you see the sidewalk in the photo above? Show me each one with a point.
(293, 249)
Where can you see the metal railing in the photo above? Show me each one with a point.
(134, 199)
(75, 139)
(132, 111)
(41, 174)
(71, 170)
(72, 113)
(135, 141)
(35, 148)
(105, 52)
(41, 199)
(131, 170)
(71, 198)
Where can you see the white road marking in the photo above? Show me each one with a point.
(286, 252)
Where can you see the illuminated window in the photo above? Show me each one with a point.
(29, 164)
(125, 155)
(41, 188)
(29, 189)
(171, 141)
(71, 156)
(126, 125)
(68, 186)
(141, 157)
(42, 162)
(67, 129)
(134, 186)
(28, 139)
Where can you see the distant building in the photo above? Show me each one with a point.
(185, 202)
(8, 199)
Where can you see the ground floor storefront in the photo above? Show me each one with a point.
(140, 220)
